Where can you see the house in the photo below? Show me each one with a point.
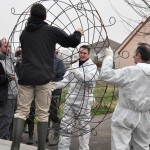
(125, 52)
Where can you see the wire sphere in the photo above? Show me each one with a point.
(70, 15)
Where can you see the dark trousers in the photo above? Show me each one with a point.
(53, 111)
(7, 110)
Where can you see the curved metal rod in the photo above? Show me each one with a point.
(123, 52)
(110, 21)
(13, 10)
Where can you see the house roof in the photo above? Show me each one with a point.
(102, 44)
(132, 35)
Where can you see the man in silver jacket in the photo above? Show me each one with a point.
(80, 79)
(131, 118)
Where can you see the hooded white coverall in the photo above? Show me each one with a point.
(78, 103)
(131, 118)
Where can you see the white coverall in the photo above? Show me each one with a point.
(131, 118)
(78, 103)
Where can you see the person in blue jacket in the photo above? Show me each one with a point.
(60, 70)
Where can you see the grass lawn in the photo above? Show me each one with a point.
(105, 99)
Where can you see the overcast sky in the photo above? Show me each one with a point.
(117, 32)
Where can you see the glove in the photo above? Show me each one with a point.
(109, 52)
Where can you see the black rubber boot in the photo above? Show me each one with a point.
(42, 132)
(30, 138)
(31, 130)
(18, 127)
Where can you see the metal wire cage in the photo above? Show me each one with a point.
(70, 15)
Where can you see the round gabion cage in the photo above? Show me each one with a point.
(70, 15)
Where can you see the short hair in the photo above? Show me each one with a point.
(85, 47)
(38, 10)
(144, 50)
(2, 41)
(18, 53)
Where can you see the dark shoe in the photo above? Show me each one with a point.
(18, 126)
(30, 140)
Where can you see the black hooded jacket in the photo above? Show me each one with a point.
(38, 42)
(3, 85)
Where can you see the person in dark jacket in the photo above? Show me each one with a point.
(38, 41)
(30, 119)
(18, 55)
(8, 91)
(59, 69)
